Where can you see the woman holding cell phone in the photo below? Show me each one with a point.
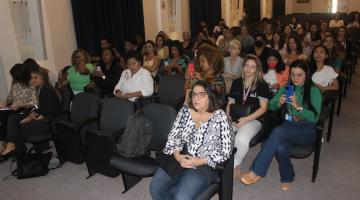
(298, 128)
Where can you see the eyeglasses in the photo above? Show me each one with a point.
(198, 94)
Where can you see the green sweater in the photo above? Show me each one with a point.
(306, 113)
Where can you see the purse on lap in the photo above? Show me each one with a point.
(240, 110)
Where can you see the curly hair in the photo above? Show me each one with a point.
(85, 53)
(213, 56)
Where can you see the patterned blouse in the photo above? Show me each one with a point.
(22, 94)
(213, 140)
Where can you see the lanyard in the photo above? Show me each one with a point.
(246, 94)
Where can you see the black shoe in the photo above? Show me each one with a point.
(6, 157)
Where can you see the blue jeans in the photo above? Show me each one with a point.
(279, 143)
(186, 186)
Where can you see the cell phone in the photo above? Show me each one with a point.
(289, 93)
(191, 69)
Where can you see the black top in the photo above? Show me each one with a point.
(261, 92)
(112, 77)
(49, 102)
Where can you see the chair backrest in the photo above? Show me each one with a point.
(163, 117)
(114, 114)
(171, 90)
(84, 106)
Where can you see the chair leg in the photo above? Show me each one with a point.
(317, 155)
(227, 180)
(331, 119)
(129, 181)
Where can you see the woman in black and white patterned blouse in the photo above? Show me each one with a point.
(203, 131)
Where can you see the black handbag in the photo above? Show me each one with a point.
(169, 164)
(32, 165)
(240, 110)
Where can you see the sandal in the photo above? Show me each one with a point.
(249, 178)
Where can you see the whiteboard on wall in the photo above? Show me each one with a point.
(3, 86)
(27, 20)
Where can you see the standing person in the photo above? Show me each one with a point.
(249, 89)
(232, 64)
(202, 130)
(298, 129)
(20, 125)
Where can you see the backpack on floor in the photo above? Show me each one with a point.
(137, 136)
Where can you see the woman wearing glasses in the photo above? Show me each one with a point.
(200, 139)
(251, 90)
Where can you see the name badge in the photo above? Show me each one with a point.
(288, 117)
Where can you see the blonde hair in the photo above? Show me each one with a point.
(235, 43)
(259, 72)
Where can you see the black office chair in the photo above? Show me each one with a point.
(171, 91)
(224, 185)
(101, 142)
(301, 152)
(134, 169)
(70, 131)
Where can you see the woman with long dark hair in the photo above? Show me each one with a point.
(276, 72)
(298, 128)
(37, 122)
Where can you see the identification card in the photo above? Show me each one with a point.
(288, 117)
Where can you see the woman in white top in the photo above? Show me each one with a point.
(324, 76)
(233, 63)
(151, 59)
(135, 81)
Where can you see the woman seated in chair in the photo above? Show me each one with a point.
(210, 64)
(78, 75)
(324, 76)
(176, 63)
(298, 128)
(37, 122)
(232, 64)
(151, 59)
(200, 139)
(250, 90)
(276, 73)
(107, 74)
(21, 98)
(135, 81)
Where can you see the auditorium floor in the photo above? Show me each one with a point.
(338, 177)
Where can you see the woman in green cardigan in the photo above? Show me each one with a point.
(298, 128)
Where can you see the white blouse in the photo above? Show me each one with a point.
(140, 81)
(213, 140)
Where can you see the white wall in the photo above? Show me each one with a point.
(321, 6)
(59, 37)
